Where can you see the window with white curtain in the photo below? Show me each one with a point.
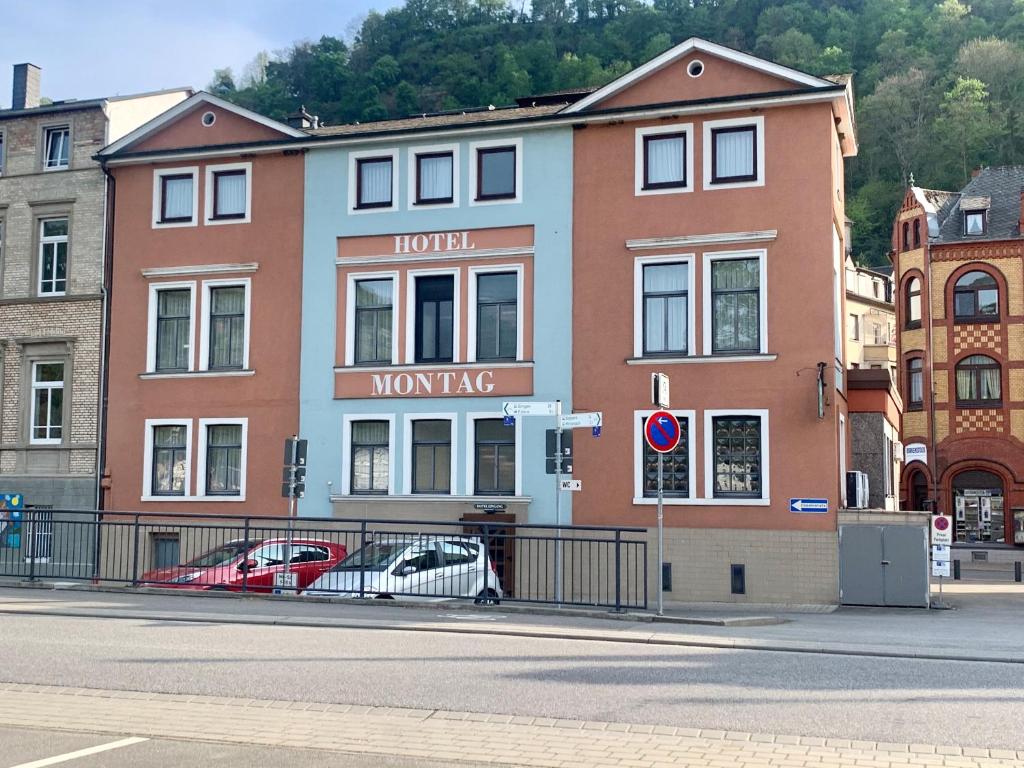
(176, 198)
(665, 318)
(370, 457)
(665, 161)
(734, 154)
(374, 182)
(434, 178)
(229, 194)
(978, 382)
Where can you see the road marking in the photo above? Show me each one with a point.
(82, 753)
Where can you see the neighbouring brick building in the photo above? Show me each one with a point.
(959, 262)
(52, 225)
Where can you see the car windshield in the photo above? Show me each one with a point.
(372, 557)
(219, 556)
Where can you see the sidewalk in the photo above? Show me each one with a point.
(984, 626)
(456, 737)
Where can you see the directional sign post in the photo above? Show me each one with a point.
(811, 506)
(577, 420)
(661, 431)
(942, 540)
(571, 485)
(530, 408)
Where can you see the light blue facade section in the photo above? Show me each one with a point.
(545, 204)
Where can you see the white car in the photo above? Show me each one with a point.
(428, 568)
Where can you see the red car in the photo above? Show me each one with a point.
(253, 562)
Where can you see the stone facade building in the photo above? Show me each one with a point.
(52, 227)
(959, 259)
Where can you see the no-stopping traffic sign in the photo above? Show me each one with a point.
(662, 431)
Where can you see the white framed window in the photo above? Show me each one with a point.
(167, 465)
(224, 333)
(371, 318)
(223, 453)
(430, 449)
(172, 322)
(735, 303)
(494, 455)
(496, 172)
(373, 181)
(736, 457)
(434, 176)
(47, 407)
(53, 256)
(663, 306)
(663, 162)
(734, 153)
(56, 148)
(367, 454)
(432, 311)
(680, 486)
(495, 328)
(229, 193)
(175, 197)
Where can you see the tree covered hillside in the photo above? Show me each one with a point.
(938, 84)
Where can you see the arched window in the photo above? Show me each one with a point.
(917, 233)
(913, 303)
(978, 383)
(915, 383)
(976, 297)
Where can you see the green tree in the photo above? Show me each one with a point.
(966, 123)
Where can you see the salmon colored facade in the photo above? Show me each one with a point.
(753, 435)
(205, 314)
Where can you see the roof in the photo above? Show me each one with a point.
(997, 190)
(69, 105)
(443, 120)
(202, 97)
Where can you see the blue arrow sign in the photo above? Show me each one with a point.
(812, 506)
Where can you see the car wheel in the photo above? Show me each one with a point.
(487, 597)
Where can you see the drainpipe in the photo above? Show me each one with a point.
(934, 461)
(108, 260)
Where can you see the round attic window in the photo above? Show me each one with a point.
(695, 68)
(209, 119)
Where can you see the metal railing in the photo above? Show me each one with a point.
(367, 558)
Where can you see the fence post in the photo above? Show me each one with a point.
(618, 571)
(1017, 575)
(245, 557)
(362, 565)
(487, 559)
(29, 514)
(135, 553)
(956, 570)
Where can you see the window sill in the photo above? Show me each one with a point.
(177, 499)
(704, 502)
(246, 219)
(386, 368)
(673, 189)
(175, 224)
(912, 326)
(759, 358)
(197, 374)
(414, 497)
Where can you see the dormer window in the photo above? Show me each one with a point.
(974, 222)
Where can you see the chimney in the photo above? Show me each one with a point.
(25, 94)
(977, 170)
(301, 119)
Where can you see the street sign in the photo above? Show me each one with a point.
(812, 506)
(596, 431)
(915, 452)
(550, 440)
(941, 568)
(661, 430)
(571, 485)
(659, 390)
(942, 529)
(576, 420)
(528, 408)
(509, 421)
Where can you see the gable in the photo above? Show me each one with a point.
(188, 130)
(719, 78)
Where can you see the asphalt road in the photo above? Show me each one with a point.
(901, 700)
(26, 745)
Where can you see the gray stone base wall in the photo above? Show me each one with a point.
(59, 492)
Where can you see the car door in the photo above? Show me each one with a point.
(461, 575)
(309, 561)
(269, 560)
(417, 574)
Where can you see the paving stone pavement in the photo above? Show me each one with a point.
(457, 736)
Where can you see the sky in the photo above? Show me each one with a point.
(94, 48)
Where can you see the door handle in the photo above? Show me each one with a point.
(886, 562)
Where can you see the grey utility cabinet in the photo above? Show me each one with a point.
(883, 565)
